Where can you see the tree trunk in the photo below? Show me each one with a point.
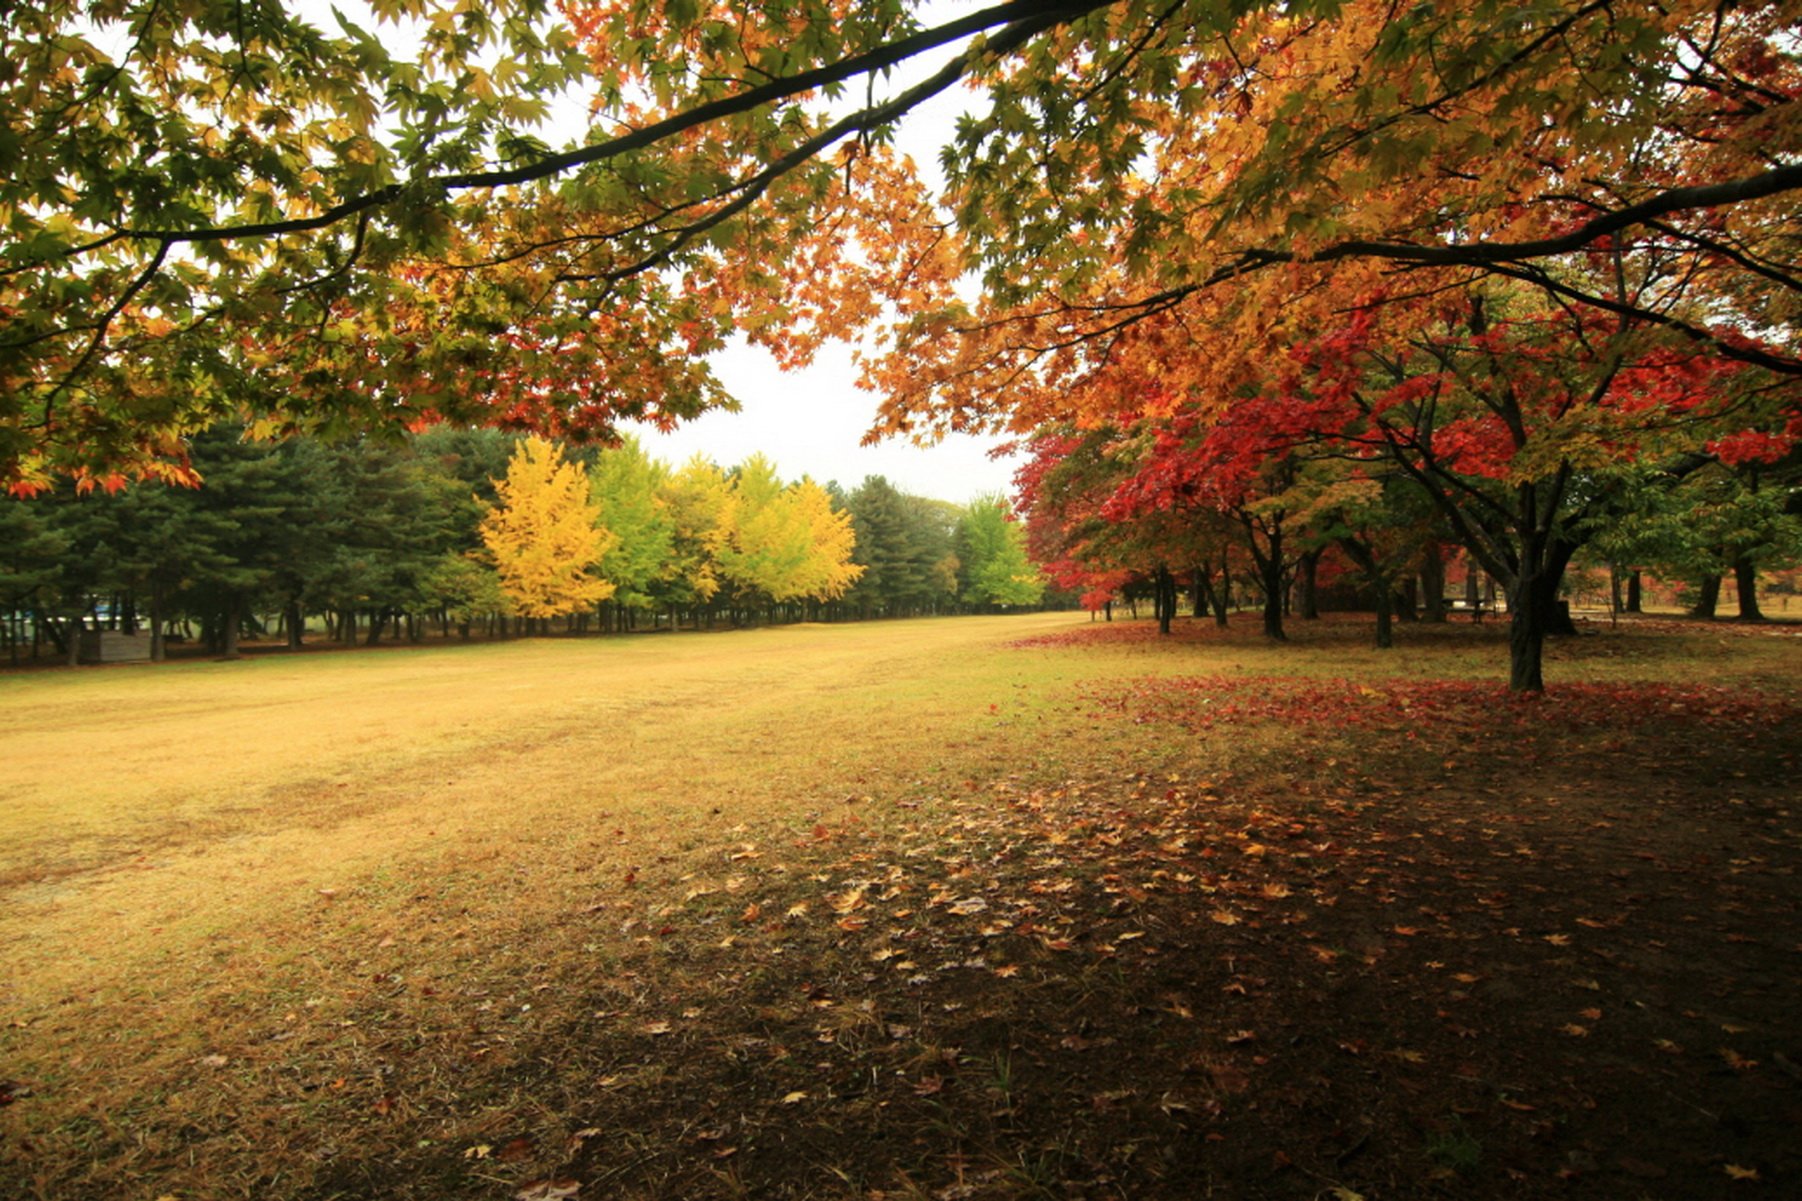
(157, 650)
(1432, 582)
(1634, 599)
(1198, 591)
(1708, 595)
(1223, 595)
(1307, 594)
(1166, 598)
(1526, 645)
(228, 628)
(1745, 576)
(1270, 573)
(1407, 599)
(1383, 594)
(297, 624)
(1615, 602)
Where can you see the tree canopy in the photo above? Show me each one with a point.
(233, 210)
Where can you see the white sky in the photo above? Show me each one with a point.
(810, 422)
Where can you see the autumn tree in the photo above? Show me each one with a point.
(219, 211)
(786, 543)
(699, 500)
(543, 536)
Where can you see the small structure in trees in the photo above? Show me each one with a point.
(114, 646)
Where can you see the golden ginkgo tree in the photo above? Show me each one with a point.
(543, 535)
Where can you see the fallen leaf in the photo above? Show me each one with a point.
(1739, 1173)
(515, 1149)
(794, 1098)
(1574, 1030)
(1225, 917)
(548, 1190)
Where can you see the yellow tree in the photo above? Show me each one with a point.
(700, 504)
(543, 536)
(828, 569)
(787, 544)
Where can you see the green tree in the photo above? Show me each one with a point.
(996, 569)
(628, 492)
(699, 500)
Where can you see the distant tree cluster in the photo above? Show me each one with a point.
(466, 531)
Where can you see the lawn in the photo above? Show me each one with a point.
(970, 908)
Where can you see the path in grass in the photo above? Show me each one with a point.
(903, 910)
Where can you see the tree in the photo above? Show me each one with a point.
(628, 486)
(995, 569)
(786, 543)
(903, 546)
(700, 503)
(542, 535)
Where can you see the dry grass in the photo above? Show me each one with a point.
(230, 862)
(237, 895)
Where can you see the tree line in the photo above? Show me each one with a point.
(461, 532)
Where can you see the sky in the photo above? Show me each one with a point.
(810, 422)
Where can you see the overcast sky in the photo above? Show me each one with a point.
(811, 422)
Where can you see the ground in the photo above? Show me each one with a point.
(1091, 914)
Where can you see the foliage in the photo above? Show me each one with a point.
(993, 565)
(227, 213)
(542, 535)
(628, 486)
(785, 543)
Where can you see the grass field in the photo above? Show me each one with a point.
(492, 920)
